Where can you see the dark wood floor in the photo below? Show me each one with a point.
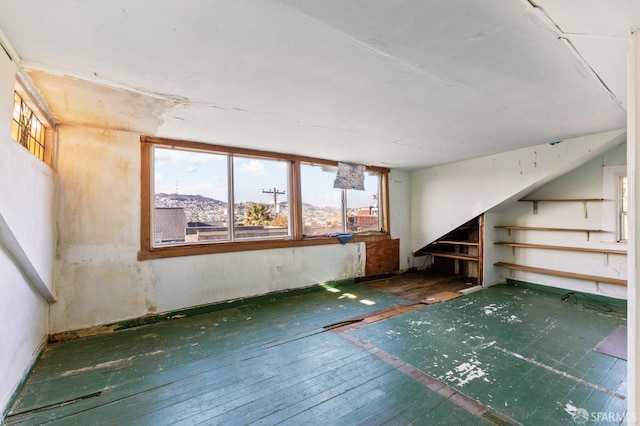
(504, 355)
(419, 286)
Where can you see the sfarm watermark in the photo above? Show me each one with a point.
(582, 416)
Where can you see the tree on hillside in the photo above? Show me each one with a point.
(257, 214)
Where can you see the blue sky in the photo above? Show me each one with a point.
(198, 173)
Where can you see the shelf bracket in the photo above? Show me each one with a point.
(535, 207)
(584, 205)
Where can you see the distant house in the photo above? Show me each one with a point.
(170, 224)
(366, 219)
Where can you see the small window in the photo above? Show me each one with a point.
(363, 209)
(321, 202)
(27, 129)
(194, 189)
(190, 197)
(623, 209)
(260, 190)
(326, 210)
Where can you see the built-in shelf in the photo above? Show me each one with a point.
(565, 274)
(510, 228)
(461, 256)
(563, 248)
(586, 277)
(584, 202)
(562, 200)
(458, 251)
(460, 243)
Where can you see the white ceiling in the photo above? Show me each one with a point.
(396, 83)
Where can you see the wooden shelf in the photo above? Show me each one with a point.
(460, 256)
(462, 243)
(535, 228)
(539, 228)
(563, 248)
(458, 252)
(584, 201)
(561, 200)
(564, 274)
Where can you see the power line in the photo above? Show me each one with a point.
(275, 192)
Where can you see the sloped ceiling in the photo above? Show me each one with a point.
(394, 83)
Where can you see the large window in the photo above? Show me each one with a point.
(200, 198)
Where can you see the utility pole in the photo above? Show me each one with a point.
(275, 194)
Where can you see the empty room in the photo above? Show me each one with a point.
(319, 212)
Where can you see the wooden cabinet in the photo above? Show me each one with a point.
(382, 257)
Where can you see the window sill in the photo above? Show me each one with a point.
(229, 247)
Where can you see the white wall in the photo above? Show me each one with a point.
(26, 204)
(583, 182)
(399, 201)
(444, 197)
(98, 277)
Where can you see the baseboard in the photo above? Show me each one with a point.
(618, 303)
(191, 311)
(387, 275)
(25, 375)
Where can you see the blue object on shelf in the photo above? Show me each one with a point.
(344, 238)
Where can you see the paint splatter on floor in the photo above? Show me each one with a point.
(465, 372)
(481, 332)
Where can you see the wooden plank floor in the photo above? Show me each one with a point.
(418, 286)
(276, 362)
(526, 353)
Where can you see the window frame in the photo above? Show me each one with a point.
(612, 203)
(621, 232)
(296, 239)
(43, 118)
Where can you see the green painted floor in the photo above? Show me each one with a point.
(499, 356)
(523, 352)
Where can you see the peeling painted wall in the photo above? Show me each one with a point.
(26, 204)
(98, 277)
(194, 280)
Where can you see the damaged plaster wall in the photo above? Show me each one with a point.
(26, 204)
(98, 277)
(444, 197)
(194, 280)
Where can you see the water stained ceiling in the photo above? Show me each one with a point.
(395, 83)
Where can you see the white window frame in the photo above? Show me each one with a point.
(611, 217)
